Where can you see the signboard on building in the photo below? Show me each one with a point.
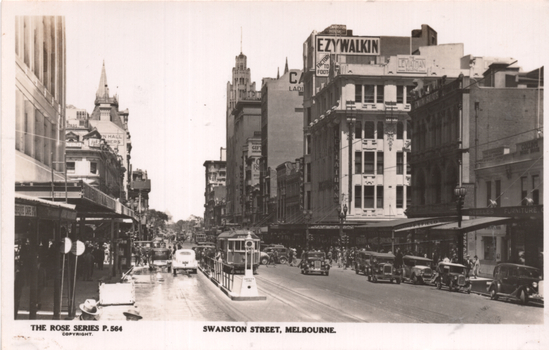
(94, 143)
(334, 45)
(114, 140)
(527, 147)
(411, 64)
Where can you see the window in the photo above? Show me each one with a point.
(369, 162)
(358, 130)
(409, 94)
(380, 130)
(489, 192)
(368, 196)
(535, 189)
(93, 168)
(380, 97)
(400, 197)
(308, 172)
(358, 162)
(498, 192)
(358, 196)
(308, 144)
(369, 130)
(489, 248)
(408, 196)
(308, 112)
(523, 190)
(400, 163)
(358, 93)
(380, 163)
(369, 94)
(400, 94)
(408, 167)
(70, 168)
(379, 196)
(409, 130)
(400, 131)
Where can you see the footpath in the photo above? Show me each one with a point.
(84, 290)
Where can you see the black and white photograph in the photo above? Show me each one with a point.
(277, 174)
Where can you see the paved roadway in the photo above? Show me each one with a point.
(343, 296)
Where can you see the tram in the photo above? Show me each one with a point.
(233, 251)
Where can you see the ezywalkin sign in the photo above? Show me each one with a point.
(331, 45)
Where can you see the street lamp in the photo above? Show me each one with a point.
(342, 215)
(460, 193)
(308, 214)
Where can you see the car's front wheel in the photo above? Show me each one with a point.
(264, 261)
(523, 297)
(451, 286)
(414, 279)
(494, 293)
(282, 260)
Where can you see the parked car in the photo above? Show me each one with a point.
(362, 262)
(452, 275)
(417, 269)
(382, 268)
(161, 258)
(184, 259)
(517, 282)
(314, 262)
(280, 249)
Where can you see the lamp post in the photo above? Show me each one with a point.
(308, 214)
(342, 215)
(460, 193)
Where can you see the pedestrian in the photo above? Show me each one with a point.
(476, 267)
(89, 311)
(291, 257)
(133, 314)
(339, 258)
(398, 259)
(329, 256)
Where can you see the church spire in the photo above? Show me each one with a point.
(103, 88)
(286, 67)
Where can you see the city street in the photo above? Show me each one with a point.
(343, 296)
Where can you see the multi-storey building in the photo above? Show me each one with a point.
(482, 131)
(356, 127)
(243, 121)
(281, 133)
(251, 155)
(215, 192)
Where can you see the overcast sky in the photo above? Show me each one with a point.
(169, 63)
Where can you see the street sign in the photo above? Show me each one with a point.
(66, 245)
(78, 248)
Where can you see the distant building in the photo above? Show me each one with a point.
(281, 133)
(243, 122)
(215, 192)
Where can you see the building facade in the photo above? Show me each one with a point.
(215, 192)
(281, 133)
(356, 127)
(482, 132)
(40, 78)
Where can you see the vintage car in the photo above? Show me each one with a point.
(161, 258)
(314, 262)
(362, 262)
(381, 268)
(280, 249)
(184, 259)
(517, 282)
(416, 269)
(452, 275)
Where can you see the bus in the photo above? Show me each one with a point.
(199, 237)
(231, 245)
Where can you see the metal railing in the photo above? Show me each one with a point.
(221, 272)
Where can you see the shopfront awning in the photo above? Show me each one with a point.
(399, 225)
(88, 200)
(470, 225)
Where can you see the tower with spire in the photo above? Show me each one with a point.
(112, 123)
